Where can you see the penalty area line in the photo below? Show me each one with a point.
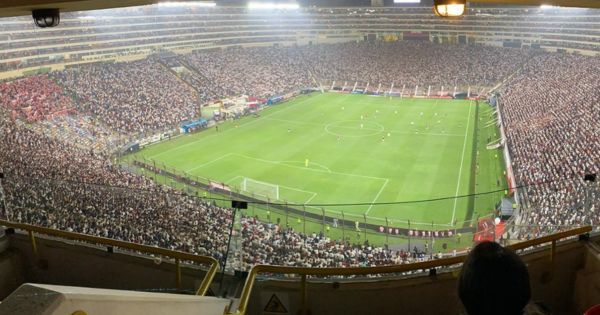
(209, 162)
(377, 196)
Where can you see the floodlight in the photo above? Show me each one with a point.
(449, 8)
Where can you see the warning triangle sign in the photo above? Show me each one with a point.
(274, 305)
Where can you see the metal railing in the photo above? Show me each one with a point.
(177, 255)
(303, 272)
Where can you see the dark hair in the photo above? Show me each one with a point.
(494, 281)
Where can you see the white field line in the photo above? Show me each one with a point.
(312, 193)
(241, 125)
(300, 162)
(370, 129)
(231, 180)
(461, 163)
(316, 170)
(311, 198)
(377, 196)
(305, 168)
(284, 163)
(209, 162)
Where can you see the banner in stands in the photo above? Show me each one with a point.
(156, 138)
(416, 36)
(417, 233)
(274, 100)
(194, 125)
(460, 95)
(510, 44)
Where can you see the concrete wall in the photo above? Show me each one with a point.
(587, 281)
(567, 285)
(553, 284)
(11, 269)
(64, 263)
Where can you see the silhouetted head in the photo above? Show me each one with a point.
(494, 281)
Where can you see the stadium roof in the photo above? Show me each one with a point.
(24, 7)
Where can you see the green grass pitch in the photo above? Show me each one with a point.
(360, 149)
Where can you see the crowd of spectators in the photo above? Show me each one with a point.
(258, 72)
(268, 243)
(413, 63)
(205, 90)
(131, 97)
(52, 183)
(119, 31)
(551, 116)
(80, 130)
(34, 98)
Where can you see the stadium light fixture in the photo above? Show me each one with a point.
(449, 8)
(272, 6)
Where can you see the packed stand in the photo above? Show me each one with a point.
(53, 184)
(206, 91)
(551, 114)
(80, 130)
(413, 63)
(258, 72)
(225, 25)
(135, 97)
(34, 98)
(267, 243)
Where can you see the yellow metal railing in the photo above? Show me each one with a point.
(177, 255)
(303, 272)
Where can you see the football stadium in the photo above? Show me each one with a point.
(416, 150)
(311, 157)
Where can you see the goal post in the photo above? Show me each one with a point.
(260, 188)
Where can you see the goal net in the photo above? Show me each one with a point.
(261, 189)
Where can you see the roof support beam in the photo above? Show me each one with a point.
(24, 7)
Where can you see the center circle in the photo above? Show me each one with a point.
(354, 128)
